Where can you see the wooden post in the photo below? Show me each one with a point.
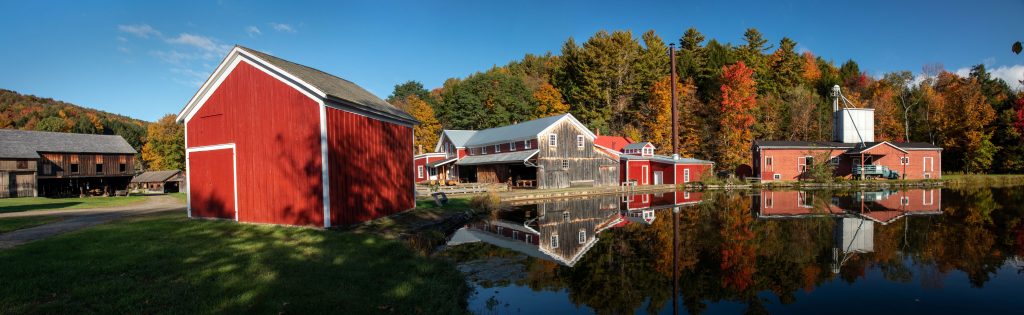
(675, 115)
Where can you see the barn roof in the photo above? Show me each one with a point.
(637, 146)
(155, 176)
(334, 86)
(500, 158)
(523, 130)
(841, 145)
(23, 144)
(615, 143)
(664, 159)
(459, 137)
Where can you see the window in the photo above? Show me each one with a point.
(777, 176)
(554, 240)
(643, 175)
(583, 236)
(99, 168)
(512, 146)
(122, 167)
(927, 197)
(929, 165)
(580, 141)
(526, 144)
(565, 216)
(552, 140)
(74, 168)
(47, 168)
(22, 164)
(801, 164)
(905, 200)
(768, 201)
(904, 160)
(419, 171)
(834, 161)
(483, 150)
(529, 238)
(768, 164)
(686, 195)
(497, 148)
(645, 198)
(565, 164)
(515, 234)
(805, 200)
(432, 171)
(686, 175)
(648, 151)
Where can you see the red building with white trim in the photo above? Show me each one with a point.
(424, 166)
(638, 164)
(271, 141)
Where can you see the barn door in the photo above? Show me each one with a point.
(659, 178)
(211, 188)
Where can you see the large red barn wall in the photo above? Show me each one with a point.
(212, 194)
(371, 169)
(276, 132)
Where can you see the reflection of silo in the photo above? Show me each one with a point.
(852, 235)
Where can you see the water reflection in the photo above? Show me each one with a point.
(931, 250)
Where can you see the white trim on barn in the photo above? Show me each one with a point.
(234, 170)
(324, 163)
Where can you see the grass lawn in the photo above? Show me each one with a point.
(180, 196)
(41, 203)
(11, 224)
(169, 264)
(426, 212)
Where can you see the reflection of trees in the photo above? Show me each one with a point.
(722, 245)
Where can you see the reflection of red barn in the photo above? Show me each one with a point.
(881, 206)
(638, 163)
(258, 133)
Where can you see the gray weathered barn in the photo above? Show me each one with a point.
(39, 163)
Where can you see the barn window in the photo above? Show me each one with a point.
(644, 175)
(834, 161)
(768, 161)
(99, 168)
(552, 140)
(432, 171)
(22, 164)
(483, 150)
(529, 238)
(554, 240)
(904, 160)
(768, 202)
(565, 164)
(512, 146)
(47, 168)
(580, 141)
(527, 144)
(74, 168)
(905, 201)
(419, 171)
(515, 234)
(777, 176)
(565, 216)
(686, 175)
(497, 148)
(801, 164)
(583, 236)
(122, 167)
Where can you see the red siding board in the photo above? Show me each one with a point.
(276, 132)
(371, 171)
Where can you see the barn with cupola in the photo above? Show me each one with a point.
(272, 141)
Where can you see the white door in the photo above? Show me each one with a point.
(659, 178)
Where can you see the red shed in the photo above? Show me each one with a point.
(257, 134)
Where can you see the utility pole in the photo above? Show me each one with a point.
(675, 114)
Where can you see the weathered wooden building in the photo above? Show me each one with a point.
(550, 152)
(38, 163)
(272, 141)
(168, 181)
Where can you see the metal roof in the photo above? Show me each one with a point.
(636, 146)
(335, 87)
(23, 144)
(459, 137)
(441, 162)
(155, 176)
(615, 143)
(500, 158)
(520, 131)
(841, 145)
(665, 159)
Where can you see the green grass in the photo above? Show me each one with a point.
(41, 203)
(13, 224)
(169, 264)
(180, 196)
(426, 212)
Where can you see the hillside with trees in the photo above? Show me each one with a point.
(732, 94)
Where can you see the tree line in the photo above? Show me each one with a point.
(729, 95)
(160, 145)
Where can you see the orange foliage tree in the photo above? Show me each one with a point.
(429, 129)
(888, 114)
(739, 94)
(811, 73)
(549, 101)
(655, 117)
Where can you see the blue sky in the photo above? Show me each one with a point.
(145, 58)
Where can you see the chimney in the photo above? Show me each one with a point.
(420, 149)
(597, 132)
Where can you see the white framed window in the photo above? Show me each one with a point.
(583, 236)
(905, 200)
(529, 238)
(500, 229)
(552, 140)
(515, 234)
(686, 175)
(565, 164)
(527, 144)
(645, 198)
(419, 171)
(768, 163)
(648, 151)
(497, 148)
(805, 200)
(834, 161)
(432, 171)
(769, 202)
(928, 163)
(686, 195)
(565, 216)
(512, 146)
(801, 164)
(580, 141)
(777, 176)
(554, 240)
(483, 150)
(904, 160)
(928, 197)
(643, 169)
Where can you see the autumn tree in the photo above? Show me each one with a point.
(656, 115)
(963, 124)
(803, 104)
(409, 88)
(165, 145)
(429, 129)
(739, 95)
(811, 73)
(888, 122)
(548, 101)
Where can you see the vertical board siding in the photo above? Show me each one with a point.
(371, 167)
(212, 192)
(586, 165)
(59, 164)
(276, 132)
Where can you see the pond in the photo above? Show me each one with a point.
(769, 252)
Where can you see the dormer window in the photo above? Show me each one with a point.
(497, 148)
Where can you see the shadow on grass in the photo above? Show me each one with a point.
(39, 206)
(167, 264)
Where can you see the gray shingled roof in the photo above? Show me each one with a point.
(335, 87)
(636, 146)
(459, 137)
(520, 131)
(500, 158)
(852, 147)
(22, 144)
(665, 159)
(154, 176)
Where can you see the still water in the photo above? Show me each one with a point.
(934, 251)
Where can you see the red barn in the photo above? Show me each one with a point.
(639, 165)
(424, 164)
(258, 134)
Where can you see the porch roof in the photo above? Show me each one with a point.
(441, 162)
(500, 158)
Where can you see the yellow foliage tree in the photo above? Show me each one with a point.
(655, 117)
(429, 128)
(549, 101)
(811, 73)
(165, 145)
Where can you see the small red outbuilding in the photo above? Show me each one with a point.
(259, 130)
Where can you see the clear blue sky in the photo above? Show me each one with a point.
(145, 59)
